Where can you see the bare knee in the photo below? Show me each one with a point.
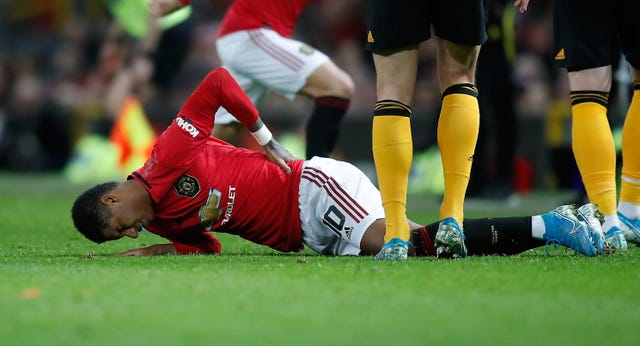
(329, 80)
(456, 63)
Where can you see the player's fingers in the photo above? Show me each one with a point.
(284, 166)
(134, 252)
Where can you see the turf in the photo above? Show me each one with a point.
(57, 288)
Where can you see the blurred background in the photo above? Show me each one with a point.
(69, 67)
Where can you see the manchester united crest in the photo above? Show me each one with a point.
(187, 186)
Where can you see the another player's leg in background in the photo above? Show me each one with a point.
(331, 89)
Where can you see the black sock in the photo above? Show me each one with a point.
(496, 236)
(422, 241)
(324, 125)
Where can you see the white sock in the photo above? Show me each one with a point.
(537, 227)
(630, 210)
(610, 221)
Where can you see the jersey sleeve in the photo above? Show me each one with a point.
(191, 129)
(218, 89)
(206, 243)
(191, 241)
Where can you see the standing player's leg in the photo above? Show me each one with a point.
(392, 144)
(588, 53)
(458, 128)
(629, 205)
(592, 137)
(394, 31)
(264, 61)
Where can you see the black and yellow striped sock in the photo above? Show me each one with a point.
(392, 147)
(593, 148)
(457, 136)
(630, 182)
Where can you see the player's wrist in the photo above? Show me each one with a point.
(262, 135)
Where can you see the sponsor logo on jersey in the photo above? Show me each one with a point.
(185, 124)
(231, 201)
(211, 211)
(187, 186)
(560, 54)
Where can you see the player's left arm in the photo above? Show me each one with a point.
(153, 250)
(190, 242)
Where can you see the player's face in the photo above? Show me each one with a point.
(123, 223)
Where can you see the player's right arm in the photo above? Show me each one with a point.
(220, 89)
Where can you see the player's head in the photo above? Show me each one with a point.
(91, 216)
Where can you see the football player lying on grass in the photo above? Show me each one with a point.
(194, 185)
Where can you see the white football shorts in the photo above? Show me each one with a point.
(261, 61)
(337, 204)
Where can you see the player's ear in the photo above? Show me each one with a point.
(108, 198)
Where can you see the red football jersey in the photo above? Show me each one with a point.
(279, 15)
(200, 184)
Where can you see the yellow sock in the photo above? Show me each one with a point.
(630, 182)
(457, 135)
(593, 148)
(392, 154)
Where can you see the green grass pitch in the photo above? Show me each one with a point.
(56, 288)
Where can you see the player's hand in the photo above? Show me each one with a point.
(278, 155)
(521, 5)
(153, 250)
(159, 8)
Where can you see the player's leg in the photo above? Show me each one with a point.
(514, 235)
(392, 144)
(394, 30)
(588, 51)
(629, 205)
(459, 36)
(592, 138)
(289, 67)
(331, 88)
(458, 128)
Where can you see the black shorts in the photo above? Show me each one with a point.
(593, 33)
(395, 24)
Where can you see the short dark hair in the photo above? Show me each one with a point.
(90, 215)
